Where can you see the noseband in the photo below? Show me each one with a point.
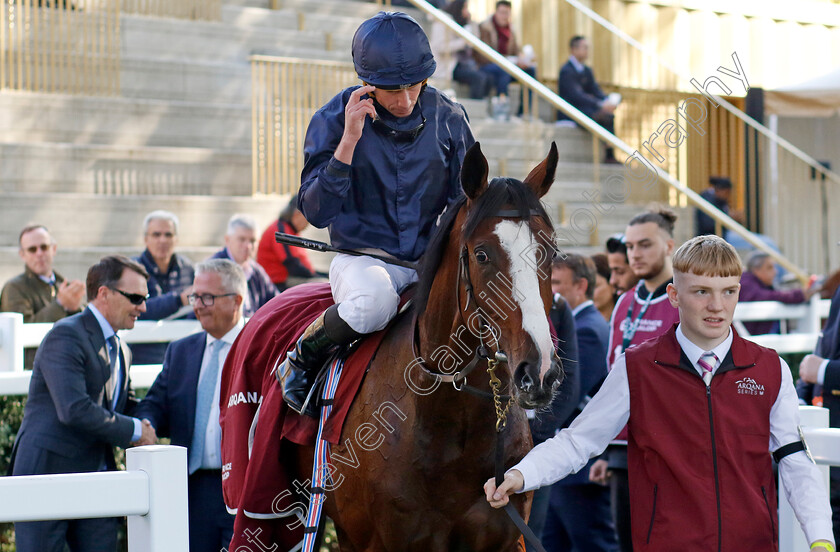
(483, 352)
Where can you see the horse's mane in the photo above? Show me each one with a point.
(500, 192)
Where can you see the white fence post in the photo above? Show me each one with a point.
(811, 322)
(11, 346)
(791, 537)
(164, 528)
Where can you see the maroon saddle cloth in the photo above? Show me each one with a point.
(258, 483)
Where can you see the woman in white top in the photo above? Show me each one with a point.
(454, 55)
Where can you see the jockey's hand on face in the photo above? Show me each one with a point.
(354, 122)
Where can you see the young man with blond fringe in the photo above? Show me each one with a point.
(704, 409)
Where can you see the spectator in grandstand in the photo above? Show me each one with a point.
(381, 162)
(622, 276)
(703, 406)
(240, 242)
(285, 265)
(718, 194)
(170, 278)
(605, 294)
(498, 34)
(577, 85)
(183, 402)
(757, 285)
(579, 511)
(454, 56)
(80, 403)
(40, 294)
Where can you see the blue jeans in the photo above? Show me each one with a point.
(502, 80)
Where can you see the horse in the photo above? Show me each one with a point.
(421, 448)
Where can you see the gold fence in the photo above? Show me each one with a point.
(63, 46)
(285, 94)
(777, 193)
(206, 10)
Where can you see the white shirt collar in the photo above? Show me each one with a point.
(693, 352)
(582, 306)
(229, 337)
(579, 67)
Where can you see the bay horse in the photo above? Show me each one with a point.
(422, 450)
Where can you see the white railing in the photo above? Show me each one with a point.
(824, 443)
(807, 317)
(152, 492)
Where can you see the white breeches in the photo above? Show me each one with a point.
(367, 290)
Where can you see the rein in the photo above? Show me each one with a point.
(483, 353)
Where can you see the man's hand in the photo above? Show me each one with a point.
(498, 498)
(816, 546)
(355, 113)
(70, 295)
(148, 435)
(599, 473)
(809, 368)
(185, 296)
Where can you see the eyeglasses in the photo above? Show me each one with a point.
(32, 249)
(207, 299)
(397, 134)
(133, 298)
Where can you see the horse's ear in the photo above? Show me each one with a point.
(542, 176)
(474, 172)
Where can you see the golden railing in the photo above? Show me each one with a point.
(285, 94)
(62, 46)
(206, 10)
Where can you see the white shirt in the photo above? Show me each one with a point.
(212, 458)
(582, 306)
(609, 410)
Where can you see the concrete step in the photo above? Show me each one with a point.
(123, 170)
(33, 117)
(186, 80)
(175, 40)
(508, 141)
(84, 220)
(292, 19)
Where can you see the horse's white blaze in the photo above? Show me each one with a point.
(518, 242)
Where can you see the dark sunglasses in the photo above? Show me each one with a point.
(133, 298)
(396, 134)
(34, 248)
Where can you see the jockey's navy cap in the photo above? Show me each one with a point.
(391, 51)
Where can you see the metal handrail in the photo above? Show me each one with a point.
(596, 129)
(766, 132)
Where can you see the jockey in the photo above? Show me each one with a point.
(382, 161)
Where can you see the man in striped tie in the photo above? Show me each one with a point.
(705, 409)
(183, 403)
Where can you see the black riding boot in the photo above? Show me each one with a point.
(297, 374)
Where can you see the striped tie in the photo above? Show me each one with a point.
(707, 362)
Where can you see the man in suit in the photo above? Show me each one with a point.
(579, 516)
(819, 375)
(183, 403)
(79, 403)
(577, 85)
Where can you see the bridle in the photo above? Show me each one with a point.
(482, 352)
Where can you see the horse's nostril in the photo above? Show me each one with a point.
(525, 383)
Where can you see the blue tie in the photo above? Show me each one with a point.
(203, 404)
(113, 354)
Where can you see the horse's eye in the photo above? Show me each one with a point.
(481, 256)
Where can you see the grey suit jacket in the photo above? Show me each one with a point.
(69, 424)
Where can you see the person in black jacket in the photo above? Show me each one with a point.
(577, 85)
(544, 424)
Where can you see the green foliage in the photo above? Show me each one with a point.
(11, 415)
